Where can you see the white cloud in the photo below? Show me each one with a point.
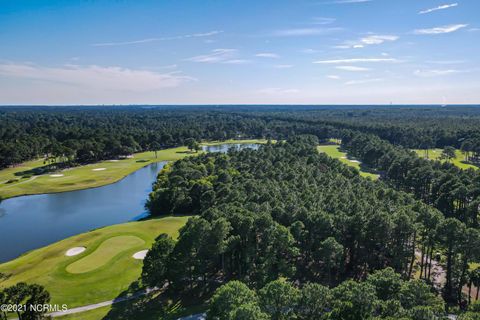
(355, 82)
(267, 55)
(447, 61)
(440, 30)
(300, 32)
(95, 77)
(323, 21)
(216, 56)
(356, 60)
(236, 61)
(185, 36)
(442, 7)
(277, 91)
(333, 77)
(352, 68)
(378, 39)
(435, 72)
(283, 66)
(372, 39)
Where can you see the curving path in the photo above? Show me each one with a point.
(103, 304)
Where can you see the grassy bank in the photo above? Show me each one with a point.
(434, 154)
(102, 272)
(88, 176)
(334, 152)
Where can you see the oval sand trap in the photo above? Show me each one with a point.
(56, 175)
(99, 169)
(106, 251)
(354, 161)
(140, 255)
(74, 251)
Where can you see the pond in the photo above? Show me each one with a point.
(30, 222)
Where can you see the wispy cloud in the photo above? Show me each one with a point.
(442, 7)
(436, 72)
(215, 56)
(356, 60)
(352, 68)
(146, 40)
(446, 61)
(373, 39)
(277, 91)
(440, 30)
(364, 81)
(237, 61)
(309, 51)
(378, 39)
(333, 77)
(96, 77)
(323, 20)
(299, 32)
(267, 55)
(283, 66)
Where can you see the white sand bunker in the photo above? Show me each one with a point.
(140, 255)
(355, 161)
(343, 157)
(74, 251)
(56, 175)
(99, 169)
(113, 160)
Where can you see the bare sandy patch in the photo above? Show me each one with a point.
(99, 169)
(354, 161)
(140, 255)
(74, 251)
(56, 175)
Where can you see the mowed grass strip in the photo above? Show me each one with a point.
(434, 154)
(106, 251)
(333, 151)
(47, 266)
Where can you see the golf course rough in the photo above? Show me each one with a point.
(100, 273)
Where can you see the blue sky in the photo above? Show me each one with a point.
(239, 52)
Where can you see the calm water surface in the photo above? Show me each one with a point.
(30, 222)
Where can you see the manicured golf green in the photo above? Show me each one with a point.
(88, 176)
(434, 154)
(334, 152)
(104, 253)
(106, 267)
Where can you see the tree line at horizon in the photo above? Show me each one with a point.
(69, 136)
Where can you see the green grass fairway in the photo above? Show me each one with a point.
(112, 268)
(434, 154)
(106, 251)
(84, 177)
(334, 152)
(81, 177)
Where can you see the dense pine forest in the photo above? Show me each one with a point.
(286, 232)
(74, 135)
